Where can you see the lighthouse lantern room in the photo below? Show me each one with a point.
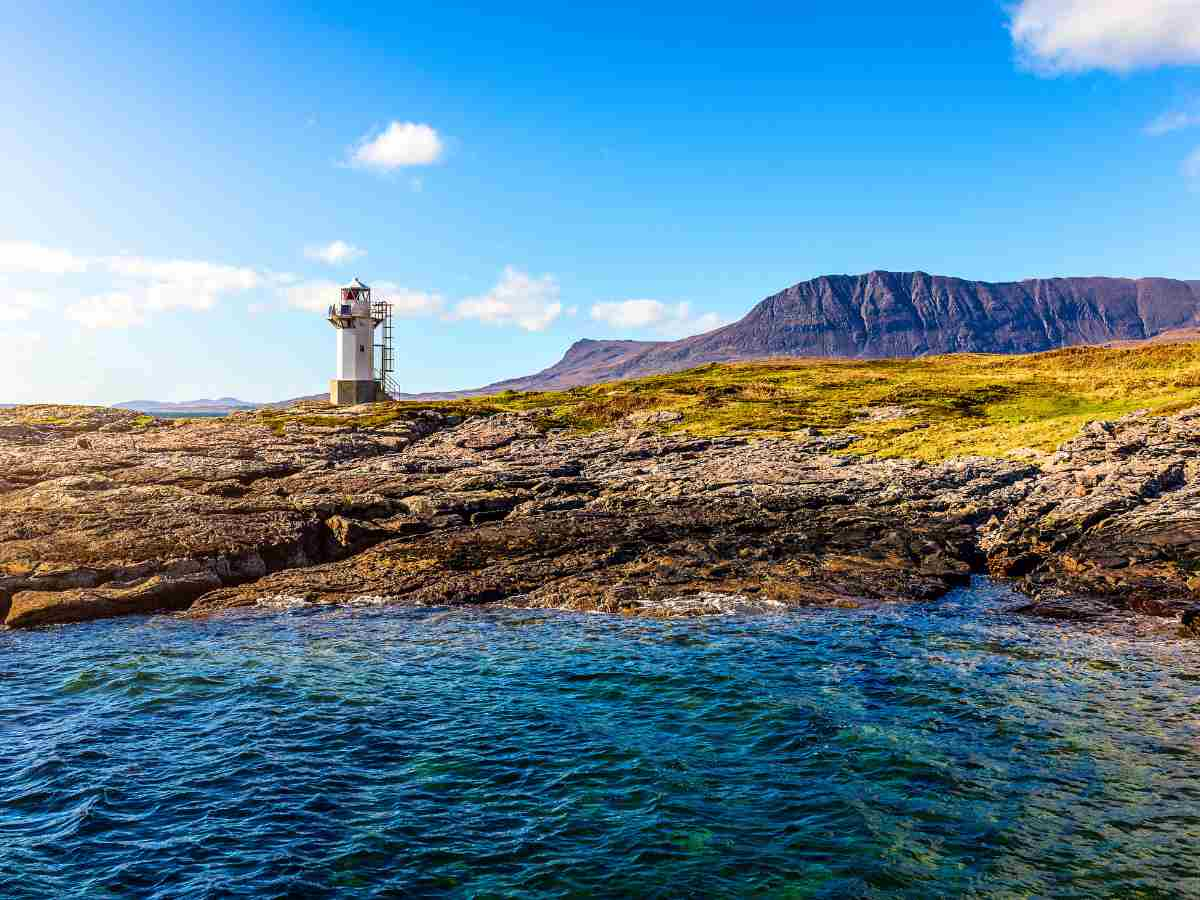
(355, 318)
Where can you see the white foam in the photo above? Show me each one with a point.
(280, 601)
(709, 603)
(369, 600)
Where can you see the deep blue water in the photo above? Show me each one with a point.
(946, 749)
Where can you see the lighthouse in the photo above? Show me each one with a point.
(354, 318)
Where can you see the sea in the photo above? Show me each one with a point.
(946, 749)
(191, 414)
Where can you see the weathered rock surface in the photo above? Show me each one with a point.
(1191, 622)
(115, 515)
(1113, 517)
(618, 522)
(87, 528)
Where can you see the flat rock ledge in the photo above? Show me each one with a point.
(105, 513)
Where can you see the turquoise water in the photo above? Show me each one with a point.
(946, 749)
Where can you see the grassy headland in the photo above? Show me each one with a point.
(930, 408)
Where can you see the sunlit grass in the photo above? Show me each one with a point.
(958, 405)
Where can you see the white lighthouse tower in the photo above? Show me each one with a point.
(355, 317)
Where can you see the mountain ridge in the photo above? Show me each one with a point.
(205, 405)
(882, 314)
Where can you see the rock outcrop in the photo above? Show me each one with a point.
(627, 521)
(114, 514)
(105, 512)
(1114, 517)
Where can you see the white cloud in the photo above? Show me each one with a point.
(1191, 168)
(137, 285)
(1176, 120)
(407, 303)
(665, 319)
(210, 276)
(16, 349)
(111, 310)
(128, 290)
(400, 144)
(1060, 36)
(165, 284)
(314, 296)
(26, 256)
(517, 299)
(20, 305)
(318, 296)
(631, 313)
(335, 253)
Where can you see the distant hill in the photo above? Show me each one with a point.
(586, 362)
(893, 314)
(219, 405)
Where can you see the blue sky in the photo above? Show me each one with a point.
(183, 188)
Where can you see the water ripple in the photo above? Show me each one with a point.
(940, 750)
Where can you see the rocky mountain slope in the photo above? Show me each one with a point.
(895, 314)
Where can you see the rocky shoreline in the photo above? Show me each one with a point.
(105, 513)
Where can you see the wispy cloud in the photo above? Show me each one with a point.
(517, 299)
(166, 284)
(28, 257)
(316, 296)
(666, 320)
(1055, 37)
(1191, 169)
(129, 290)
(313, 296)
(335, 253)
(20, 305)
(138, 286)
(20, 347)
(111, 310)
(407, 303)
(1176, 120)
(400, 144)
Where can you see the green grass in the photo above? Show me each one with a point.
(957, 405)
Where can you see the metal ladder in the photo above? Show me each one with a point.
(381, 312)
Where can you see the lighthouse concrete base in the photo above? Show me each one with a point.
(350, 393)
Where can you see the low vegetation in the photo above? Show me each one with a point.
(930, 408)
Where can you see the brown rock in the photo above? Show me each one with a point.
(32, 608)
(1190, 620)
(432, 510)
(1114, 516)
